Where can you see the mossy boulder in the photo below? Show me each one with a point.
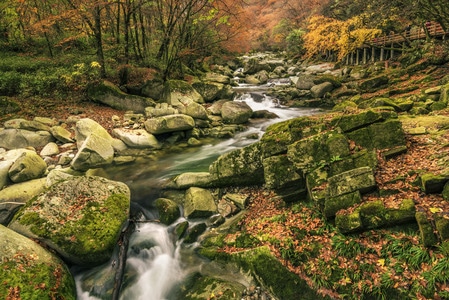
(168, 210)
(349, 222)
(379, 136)
(352, 122)
(442, 225)
(80, 218)
(360, 179)
(239, 167)
(28, 271)
(109, 94)
(426, 230)
(432, 183)
(28, 166)
(279, 173)
(199, 203)
(207, 287)
(309, 153)
(278, 136)
(333, 204)
(374, 83)
(178, 93)
(273, 276)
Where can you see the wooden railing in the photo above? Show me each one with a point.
(434, 29)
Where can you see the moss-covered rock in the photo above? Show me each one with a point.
(273, 276)
(374, 83)
(405, 213)
(206, 287)
(431, 183)
(309, 153)
(426, 230)
(28, 271)
(168, 210)
(333, 204)
(352, 122)
(373, 214)
(442, 225)
(349, 222)
(239, 167)
(107, 93)
(279, 173)
(360, 179)
(81, 218)
(199, 203)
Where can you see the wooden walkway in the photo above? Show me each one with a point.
(384, 48)
(434, 29)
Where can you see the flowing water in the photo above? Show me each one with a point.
(157, 263)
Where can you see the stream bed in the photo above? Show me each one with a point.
(158, 271)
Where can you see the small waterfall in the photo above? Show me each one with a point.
(153, 259)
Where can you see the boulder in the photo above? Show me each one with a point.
(279, 173)
(193, 179)
(31, 272)
(28, 166)
(374, 83)
(61, 134)
(50, 149)
(80, 218)
(199, 203)
(215, 108)
(178, 93)
(241, 167)
(193, 109)
(15, 196)
(320, 90)
(21, 138)
(26, 125)
(96, 151)
(216, 77)
(109, 94)
(234, 112)
(86, 127)
(168, 210)
(138, 138)
(210, 91)
(169, 123)
(303, 82)
(161, 109)
(153, 89)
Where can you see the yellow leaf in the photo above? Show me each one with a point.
(381, 262)
(435, 209)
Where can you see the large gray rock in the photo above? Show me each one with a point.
(169, 123)
(109, 94)
(320, 90)
(234, 112)
(21, 138)
(138, 138)
(28, 166)
(178, 93)
(161, 109)
(193, 109)
(199, 203)
(86, 127)
(61, 134)
(26, 125)
(210, 91)
(193, 179)
(80, 218)
(31, 270)
(95, 152)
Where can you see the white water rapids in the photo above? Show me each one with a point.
(156, 264)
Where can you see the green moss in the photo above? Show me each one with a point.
(373, 214)
(334, 204)
(205, 287)
(442, 225)
(87, 237)
(274, 276)
(349, 222)
(35, 281)
(428, 237)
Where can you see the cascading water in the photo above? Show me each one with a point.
(155, 266)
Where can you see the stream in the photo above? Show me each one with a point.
(157, 272)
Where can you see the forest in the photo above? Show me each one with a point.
(106, 38)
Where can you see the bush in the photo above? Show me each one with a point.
(10, 83)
